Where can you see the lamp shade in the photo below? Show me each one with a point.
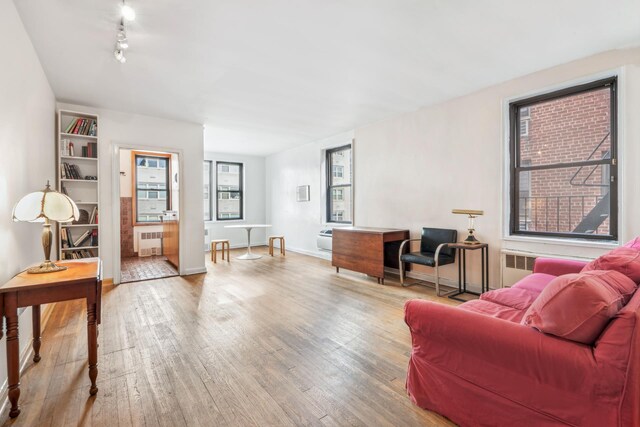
(44, 205)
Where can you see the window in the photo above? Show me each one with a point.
(207, 190)
(339, 187)
(563, 148)
(151, 182)
(229, 191)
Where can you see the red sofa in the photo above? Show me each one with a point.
(477, 365)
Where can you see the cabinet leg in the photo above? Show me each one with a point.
(35, 315)
(337, 269)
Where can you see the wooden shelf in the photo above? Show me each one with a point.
(79, 225)
(95, 159)
(78, 180)
(79, 248)
(75, 135)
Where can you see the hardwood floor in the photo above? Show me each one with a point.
(278, 341)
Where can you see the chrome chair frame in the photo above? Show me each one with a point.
(436, 258)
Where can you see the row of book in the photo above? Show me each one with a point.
(67, 149)
(79, 126)
(69, 171)
(79, 254)
(88, 238)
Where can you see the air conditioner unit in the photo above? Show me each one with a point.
(149, 243)
(325, 240)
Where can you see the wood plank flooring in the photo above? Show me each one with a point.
(279, 341)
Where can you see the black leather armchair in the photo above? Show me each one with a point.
(434, 251)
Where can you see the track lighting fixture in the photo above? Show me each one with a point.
(122, 42)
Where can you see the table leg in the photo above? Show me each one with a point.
(249, 255)
(92, 332)
(35, 317)
(13, 353)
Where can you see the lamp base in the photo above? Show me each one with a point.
(471, 239)
(46, 267)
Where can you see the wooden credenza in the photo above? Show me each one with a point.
(366, 249)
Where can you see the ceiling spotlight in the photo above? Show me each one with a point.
(121, 39)
(128, 13)
(119, 55)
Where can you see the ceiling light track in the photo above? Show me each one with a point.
(122, 41)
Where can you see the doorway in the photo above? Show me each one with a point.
(149, 215)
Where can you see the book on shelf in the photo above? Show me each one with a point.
(84, 237)
(93, 218)
(80, 126)
(70, 171)
(79, 254)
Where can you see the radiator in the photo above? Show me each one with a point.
(207, 240)
(149, 243)
(516, 265)
(325, 240)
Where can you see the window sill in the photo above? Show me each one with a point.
(602, 244)
(224, 221)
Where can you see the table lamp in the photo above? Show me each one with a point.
(471, 239)
(44, 206)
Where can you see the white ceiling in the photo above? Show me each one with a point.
(265, 75)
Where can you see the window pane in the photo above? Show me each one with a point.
(340, 204)
(206, 184)
(151, 183)
(549, 202)
(340, 167)
(229, 188)
(567, 129)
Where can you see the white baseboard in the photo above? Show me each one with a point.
(317, 254)
(25, 356)
(194, 270)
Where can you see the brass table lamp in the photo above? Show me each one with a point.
(471, 239)
(45, 206)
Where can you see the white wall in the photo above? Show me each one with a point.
(300, 222)
(411, 170)
(254, 201)
(150, 133)
(27, 143)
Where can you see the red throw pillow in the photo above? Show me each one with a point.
(633, 244)
(625, 260)
(577, 307)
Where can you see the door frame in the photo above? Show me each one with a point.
(115, 200)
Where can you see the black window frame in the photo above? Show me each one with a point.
(329, 178)
(167, 190)
(612, 162)
(239, 192)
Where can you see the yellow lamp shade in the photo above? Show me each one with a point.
(45, 205)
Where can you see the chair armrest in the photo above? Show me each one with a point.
(557, 267)
(404, 242)
(493, 352)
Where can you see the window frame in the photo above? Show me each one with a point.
(329, 187)
(612, 162)
(240, 192)
(210, 162)
(134, 185)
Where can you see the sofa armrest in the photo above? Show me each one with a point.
(557, 267)
(495, 352)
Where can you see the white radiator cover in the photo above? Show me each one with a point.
(207, 240)
(149, 243)
(515, 265)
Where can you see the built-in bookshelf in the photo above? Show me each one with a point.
(78, 177)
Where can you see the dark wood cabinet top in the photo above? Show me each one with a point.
(369, 229)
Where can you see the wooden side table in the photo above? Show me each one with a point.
(462, 268)
(82, 280)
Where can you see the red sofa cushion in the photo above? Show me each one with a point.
(633, 244)
(518, 298)
(535, 282)
(625, 260)
(577, 307)
(491, 309)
